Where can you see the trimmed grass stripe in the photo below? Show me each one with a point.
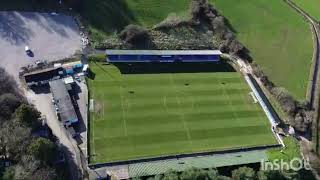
(151, 115)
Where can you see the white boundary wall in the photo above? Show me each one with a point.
(271, 118)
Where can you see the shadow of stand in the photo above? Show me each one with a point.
(79, 127)
(176, 67)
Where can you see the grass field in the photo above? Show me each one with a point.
(310, 6)
(291, 151)
(114, 15)
(150, 115)
(277, 37)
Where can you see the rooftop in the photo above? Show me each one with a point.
(68, 80)
(42, 75)
(71, 64)
(63, 101)
(181, 164)
(163, 52)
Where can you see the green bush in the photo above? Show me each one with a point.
(43, 149)
(243, 173)
(97, 58)
(28, 115)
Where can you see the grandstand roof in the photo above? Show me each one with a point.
(163, 52)
(181, 164)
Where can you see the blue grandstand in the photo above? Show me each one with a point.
(114, 56)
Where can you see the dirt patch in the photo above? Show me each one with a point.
(98, 107)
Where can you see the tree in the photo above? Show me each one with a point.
(8, 173)
(171, 175)
(193, 174)
(158, 177)
(257, 70)
(151, 178)
(43, 149)
(135, 35)
(8, 104)
(46, 173)
(244, 173)
(222, 178)
(213, 174)
(14, 138)
(220, 28)
(270, 175)
(28, 115)
(136, 178)
(202, 10)
(7, 83)
(284, 175)
(30, 168)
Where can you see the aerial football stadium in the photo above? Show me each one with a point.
(153, 104)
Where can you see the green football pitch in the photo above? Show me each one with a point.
(156, 114)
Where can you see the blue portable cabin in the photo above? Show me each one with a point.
(69, 71)
(114, 56)
(77, 66)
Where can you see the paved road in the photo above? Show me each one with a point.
(50, 38)
(306, 145)
(82, 102)
(44, 105)
(43, 102)
(314, 88)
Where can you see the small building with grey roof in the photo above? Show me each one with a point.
(63, 102)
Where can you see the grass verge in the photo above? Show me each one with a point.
(310, 6)
(291, 151)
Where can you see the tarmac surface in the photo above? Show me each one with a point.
(49, 37)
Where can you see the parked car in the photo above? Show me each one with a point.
(28, 51)
(77, 78)
(40, 63)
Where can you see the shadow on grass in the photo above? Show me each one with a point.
(91, 75)
(107, 15)
(157, 68)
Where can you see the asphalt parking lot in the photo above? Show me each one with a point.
(50, 37)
